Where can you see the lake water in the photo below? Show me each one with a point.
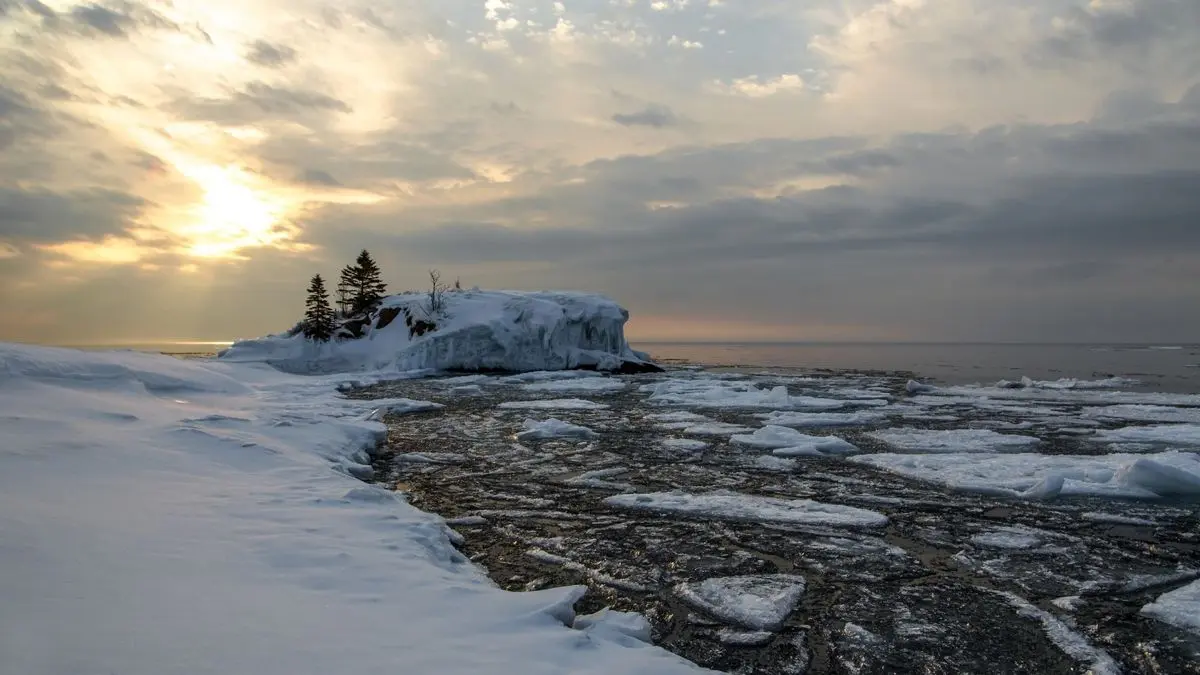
(1158, 367)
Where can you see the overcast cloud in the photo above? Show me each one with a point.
(850, 169)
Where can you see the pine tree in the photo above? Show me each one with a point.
(318, 317)
(369, 288)
(346, 290)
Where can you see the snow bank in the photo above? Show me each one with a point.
(952, 440)
(740, 507)
(1180, 607)
(1034, 476)
(169, 517)
(477, 330)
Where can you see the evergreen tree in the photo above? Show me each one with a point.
(369, 288)
(346, 290)
(318, 317)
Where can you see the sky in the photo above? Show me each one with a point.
(861, 170)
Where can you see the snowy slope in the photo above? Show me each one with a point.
(167, 517)
(477, 330)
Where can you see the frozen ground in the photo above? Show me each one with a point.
(996, 529)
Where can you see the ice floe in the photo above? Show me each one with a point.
(1180, 607)
(553, 404)
(952, 440)
(1164, 434)
(775, 437)
(751, 508)
(821, 419)
(758, 602)
(1009, 538)
(1070, 642)
(590, 385)
(1035, 476)
(1146, 413)
(553, 428)
(685, 444)
(719, 393)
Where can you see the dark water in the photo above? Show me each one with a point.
(1158, 367)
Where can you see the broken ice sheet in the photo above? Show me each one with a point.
(751, 508)
(952, 440)
(759, 602)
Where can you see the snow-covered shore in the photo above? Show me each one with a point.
(475, 331)
(160, 516)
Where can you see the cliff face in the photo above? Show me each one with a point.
(474, 331)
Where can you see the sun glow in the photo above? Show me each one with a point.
(233, 215)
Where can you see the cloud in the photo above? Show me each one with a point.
(755, 86)
(266, 54)
(43, 215)
(318, 177)
(651, 116)
(1019, 168)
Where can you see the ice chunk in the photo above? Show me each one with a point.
(1164, 434)
(1067, 383)
(615, 625)
(476, 330)
(553, 404)
(1073, 644)
(750, 508)
(1008, 538)
(714, 429)
(1180, 607)
(719, 393)
(685, 444)
(678, 416)
(759, 602)
(593, 385)
(1035, 476)
(553, 428)
(804, 419)
(1116, 519)
(772, 437)
(1146, 413)
(595, 479)
(952, 440)
(769, 463)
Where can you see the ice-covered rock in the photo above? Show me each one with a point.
(476, 330)
(758, 602)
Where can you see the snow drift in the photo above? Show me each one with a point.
(475, 331)
(170, 517)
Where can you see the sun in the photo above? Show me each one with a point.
(234, 214)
